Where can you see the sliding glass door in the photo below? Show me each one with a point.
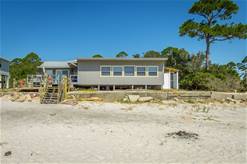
(59, 74)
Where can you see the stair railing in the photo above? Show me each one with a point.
(63, 89)
(43, 88)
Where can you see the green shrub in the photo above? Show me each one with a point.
(210, 81)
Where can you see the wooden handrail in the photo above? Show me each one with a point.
(63, 89)
(43, 87)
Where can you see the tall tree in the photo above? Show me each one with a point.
(211, 27)
(152, 54)
(242, 67)
(176, 56)
(136, 56)
(97, 56)
(21, 67)
(122, 54)
(197, 61)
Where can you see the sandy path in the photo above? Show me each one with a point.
(112, 132)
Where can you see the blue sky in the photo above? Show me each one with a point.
(65, 30)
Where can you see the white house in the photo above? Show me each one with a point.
(4, 73)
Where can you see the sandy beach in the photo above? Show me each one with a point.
(123, 133)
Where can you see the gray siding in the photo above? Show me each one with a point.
(89, 73)
(4, 66)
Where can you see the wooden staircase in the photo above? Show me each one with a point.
(51, 95)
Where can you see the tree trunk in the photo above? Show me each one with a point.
(207, 53)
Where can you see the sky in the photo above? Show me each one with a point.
(67, 30)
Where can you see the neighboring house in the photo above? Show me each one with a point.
(112, 73)
(58, 69)
(4, 73)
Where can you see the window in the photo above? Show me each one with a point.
(152, 71)
(105, 71)
(120, 71)
(65, 72)
(129, 70)
(117, 71)
(49, 72)
(74, 78)
(141, 71)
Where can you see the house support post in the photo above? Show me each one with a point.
(1, 84)
(7, 82)
(98, 87)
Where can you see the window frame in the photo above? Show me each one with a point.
(157, 67)
(145, 71)
(109, 71)
(134, 74)
(122, 70)
(147, 67)
(74, 78)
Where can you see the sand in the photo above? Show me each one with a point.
(123, 133)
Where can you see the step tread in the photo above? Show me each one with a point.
(51, 95)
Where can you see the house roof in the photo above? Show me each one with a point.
(122, 59)
(68, 64)
(4, 60)
(55, 64)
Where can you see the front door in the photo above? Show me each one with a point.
(59, 74)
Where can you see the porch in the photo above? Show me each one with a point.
(36, 81)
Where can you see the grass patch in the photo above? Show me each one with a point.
(86, 107)
(87, 90)
(209, 118)
(202, 109)
(190, 101)
(7, 90)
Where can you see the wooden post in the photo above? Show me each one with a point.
(7, 82)
(65, 83)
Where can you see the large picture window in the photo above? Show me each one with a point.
(152, 71)
(129, 70)
(141, 71)
(117, 71)
(105, 71)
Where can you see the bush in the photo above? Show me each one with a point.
(210, 81)
(197, 81)
(244, 85)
